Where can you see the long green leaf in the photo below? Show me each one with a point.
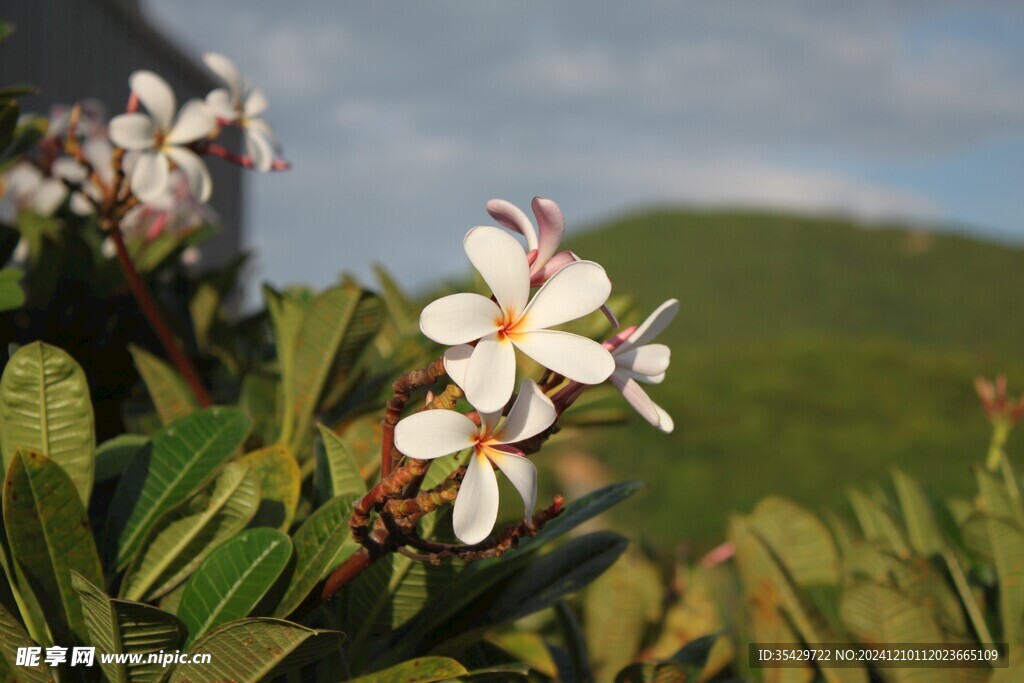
(321, 544)
(45, 408)
(342, 467)
(233, 579)
(181, 458)
(323, 328)
(122, 627)
(423, 670)
(168, 391)
(252, 650)
(48, 530)
(280, 484)
(183, 537)
(922, 528)
(879, 614)
(12, 296)
(287, 310)
(13, 637)
(799, 539)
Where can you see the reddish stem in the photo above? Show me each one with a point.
(349, 569)
(156, 320)
(243, 160)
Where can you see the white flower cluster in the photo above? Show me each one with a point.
(162, 161)
(484, 335)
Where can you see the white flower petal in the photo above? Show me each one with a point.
(550, 226)
(646, 379)
(502, 263)
(649, 359)
(568, 354)
(260, 148)
(574, 291)
(199, 183)
(459, 318)
(49, 196)
(227, 72)
(476, 506)
(665, 421)
(69, 169)
(434, 433)
(657, 321)
(195, 120)
(637, 397)
(491, 374)
(456, 360)
(80, 204)
(156, 95)
(521, 472)
(255, 102)
(150, 175)
(219, 102)
(132, 131)
(532, 413)
(512, 217)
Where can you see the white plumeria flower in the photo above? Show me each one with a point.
(515, 321)
(637, 361)
(25, 188)
(161, 138)
(242, 104)
(436, 433)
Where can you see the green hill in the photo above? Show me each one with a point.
(809, 355)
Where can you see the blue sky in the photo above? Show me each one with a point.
(403, 119)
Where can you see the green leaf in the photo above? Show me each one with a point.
(423, 670)
(1005, 545)
(877, 523)
(122, 627)
(342, 467)
(315, 347)
(12, 637)
(48, 530)
(26, 135)
(321, 544)
(114, 456)
(252, 650)
(480, 578)
(566, 569)
(168, 391)
(526, 646)
(403, 310)
(799, 539)
(922, 528)
(45, 408)
(179, 460)
(280, 484)
(183, 537)
(233, 579)
(287, 310)
(12, 296)
(880, 614)
(348, 361)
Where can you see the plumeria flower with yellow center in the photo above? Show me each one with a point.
(161, 138)
(638, 361)
(435, 433)
(516, 322)
(238, 103)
